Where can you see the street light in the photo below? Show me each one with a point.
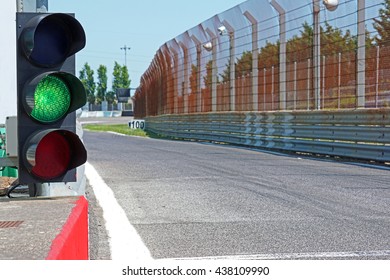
(331, 5)
(208, 46)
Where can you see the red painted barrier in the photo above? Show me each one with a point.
(72, 242)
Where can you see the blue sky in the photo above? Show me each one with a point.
(142, 25)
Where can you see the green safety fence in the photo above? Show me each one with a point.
(6, 171)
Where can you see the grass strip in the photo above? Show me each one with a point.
(118, 128)
(121, 128)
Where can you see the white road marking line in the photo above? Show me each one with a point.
(116, 133)
(125, 243)
(297, 256)
(90, 122)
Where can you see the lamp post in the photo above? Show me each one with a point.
(227, 30)
(316, 54)
(330, 5)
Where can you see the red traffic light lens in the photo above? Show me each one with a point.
(52, 156)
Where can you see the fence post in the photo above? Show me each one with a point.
(185, 83)
(232, 85)
(255, 58)
(308, 83)
(361, 56)
(377, 76)
(175, 79)
(198, 44)
(213, 70)
(317, 54)
(339, 83)
(282, 54)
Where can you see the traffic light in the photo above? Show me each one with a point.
(48, 94)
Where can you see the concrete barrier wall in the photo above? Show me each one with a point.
(100, 114)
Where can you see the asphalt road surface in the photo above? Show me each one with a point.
(197, 200)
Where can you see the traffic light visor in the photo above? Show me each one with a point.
(48, 39)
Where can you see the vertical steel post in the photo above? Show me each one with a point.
(323, 81)
(32, 6)
(316, 54)
(295, 85)
(175, 79)
(339, 83)
(377, 76)
(308, 83)
(185, 83)
(361, 56)
(272, 87)
(213, 70)
(255, 59)
(175, 49)
(282, 54)
(264, 89)
(198, 44)
(232, 56)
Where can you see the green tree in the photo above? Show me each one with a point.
(101, 84)
(226, 73)
(244, 64)
(86, 77)
(382, 25)
(208, 79)
(121, 77)
(300, 47)
(333, 40)
(110, 97)
(269, 55)
(194, 78)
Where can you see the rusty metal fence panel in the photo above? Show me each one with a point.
(274, 55)
(361, 134)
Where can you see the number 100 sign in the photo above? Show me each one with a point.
(137, 124)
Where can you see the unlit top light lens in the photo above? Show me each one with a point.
(51, 42)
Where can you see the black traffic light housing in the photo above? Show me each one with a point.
(48, 94)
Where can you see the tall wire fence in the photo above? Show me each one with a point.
(274, 55)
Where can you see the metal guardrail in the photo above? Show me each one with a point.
(361, 133)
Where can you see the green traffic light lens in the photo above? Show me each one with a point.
(51, 99)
